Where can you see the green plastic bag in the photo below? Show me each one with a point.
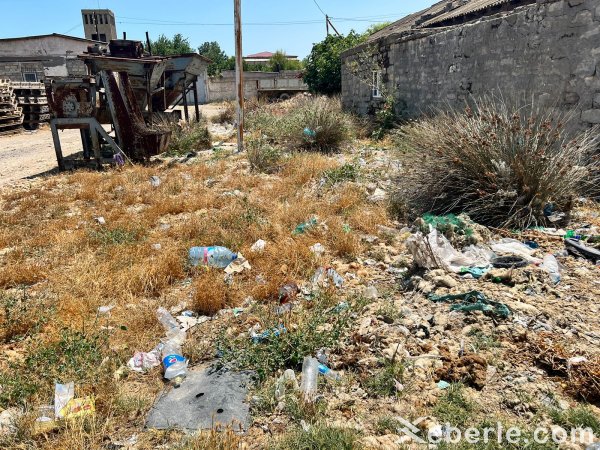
(473, 301)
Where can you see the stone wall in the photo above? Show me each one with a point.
(549, 51)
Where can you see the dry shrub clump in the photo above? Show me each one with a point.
(501, 165)
(304, 123)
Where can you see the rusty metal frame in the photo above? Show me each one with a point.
(82, 123)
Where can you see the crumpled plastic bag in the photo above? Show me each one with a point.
(509, 246)
(434, 251)
(144, 361)
(238, 265)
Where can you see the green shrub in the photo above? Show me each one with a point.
(453, 407)
(501, 165)
(189, 138)
(304, 123)
(288, 349)
(580, 417)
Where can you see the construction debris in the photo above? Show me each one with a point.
(11, 115)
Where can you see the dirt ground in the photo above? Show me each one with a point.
(31, 154)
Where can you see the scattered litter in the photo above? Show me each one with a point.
(144, 361)
(476, 272)
(509, 262)
(550, 265)
(238, 265)
(322, 356)
(187, 322)
(578, 248)
(575, 361)
(310, 372)
(237, 312)
(258, 246)
(100, 220)
(79, 407)
(443, 384)
(328, 373)
(260, 337)
(309, 133)
(156, 247)
(305, 226)
(435, 251)
(105, 309)
(288, 292)
(219, 257)
(323, 275)
(63, 394)
(509, 246)
(174, 363)
(318, 249)
(286, 382)
(378, 196)
(155, 181)
(473, 301)
(45, 420)
(532, 244)
(341, 307)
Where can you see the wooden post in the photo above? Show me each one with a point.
(185, 103)
(148, 43)
(239, 73)
(124, 35)
(327, 24)
(196, 107)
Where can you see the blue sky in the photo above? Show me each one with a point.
(196, 19)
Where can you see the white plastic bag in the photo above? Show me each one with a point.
(434, 251)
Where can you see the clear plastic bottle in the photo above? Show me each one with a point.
(219, 257)
(327, 372)
(551, 266)
(310, 373)
(174, 363)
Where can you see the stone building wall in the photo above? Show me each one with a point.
(549, 51)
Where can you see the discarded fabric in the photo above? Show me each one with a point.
(473, 301)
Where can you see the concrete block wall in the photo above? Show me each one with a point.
(549, 50)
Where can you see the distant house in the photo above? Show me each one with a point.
(36, 58)
(264, 57)
(546, 50)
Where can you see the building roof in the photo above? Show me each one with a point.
(437, 14)
(41, 36)
(265, 55)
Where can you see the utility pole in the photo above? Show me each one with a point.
(327, 23)
(332, 26)
(239, 73)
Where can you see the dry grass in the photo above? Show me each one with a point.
(70, 265)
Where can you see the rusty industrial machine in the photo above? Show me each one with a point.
(124, 90)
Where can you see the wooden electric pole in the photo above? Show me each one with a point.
(239, 74)
(327, 23)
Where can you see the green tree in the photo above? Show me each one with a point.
(279, 61)
(220, 60)
(165, 46)
(323, 67)
(377, 27)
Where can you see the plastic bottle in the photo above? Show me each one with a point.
(326, 371)
(337, 279)
(219, 257)
(310, 373)
(550, 265)
(174, 363)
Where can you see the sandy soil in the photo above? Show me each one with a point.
(28, 155)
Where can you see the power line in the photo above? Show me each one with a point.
(320, 9)
(73, 28)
